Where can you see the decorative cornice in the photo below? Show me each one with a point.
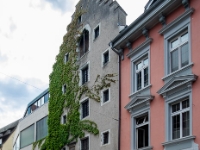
(162, 19)
(175, 22)
(186, 4)
(138, 100)
(140, 47)
(185, 80)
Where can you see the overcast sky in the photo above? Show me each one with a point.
(31, 32)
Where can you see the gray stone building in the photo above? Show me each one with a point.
(101, 23)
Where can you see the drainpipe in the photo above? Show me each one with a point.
(119, 126)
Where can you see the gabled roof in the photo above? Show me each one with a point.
(138, 100)
(177, 82)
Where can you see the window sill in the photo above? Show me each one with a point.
(177, 72)
(140, 91)
(178, 140)
(145, 148)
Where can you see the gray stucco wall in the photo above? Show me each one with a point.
(107, 14)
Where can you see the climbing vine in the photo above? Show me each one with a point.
(67, 73)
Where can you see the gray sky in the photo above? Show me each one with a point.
(31, 32)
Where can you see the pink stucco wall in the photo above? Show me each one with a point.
(157, 106)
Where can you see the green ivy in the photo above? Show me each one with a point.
(67, 74)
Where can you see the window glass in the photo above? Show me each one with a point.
(139, 79)
(186, 123)
(96, 32)
(105, 95)
(85, 144)
(184, 55)
(180, 119)
(142, 131)
(174, 60)
(176, 126)
(139, 66)
(105, 57)
(174, 44)
(85, 108)
(106, 137)
(146, 61)
(46, 98)
(85, 75)
(41, 128)
(184, 37)
(27, 136)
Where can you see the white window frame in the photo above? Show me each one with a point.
(142, 72)
(102, 137)
(82, 101)
(178, 48)
(86, 136)
(64, 88)
(87, 64)
(99, 25)
(103, 58)
(180, 112)
(102, 96)
(140, 125)
(66, 60)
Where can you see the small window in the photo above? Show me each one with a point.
(106, 96)
(64, 119)
(106, 57)
(64, 88)
(96, 32)
(85, 144)
(66, 59)
(142, 131)
(105, 138)
(85, 108)
(84, 74)
(79, 19)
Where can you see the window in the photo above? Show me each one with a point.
(142, 131)
(16, 145)
(105, 138)
(142, 75)
(180, 115)
(85, 144)
(85, 108)
(106, 96)
(64, 119)
(96, 32)
(84, 74)
(79, 19)
(64, 88)
(41, 128)
(106, 57)
(27, 136)
(66, 58)
(84, 42)
(179, 53)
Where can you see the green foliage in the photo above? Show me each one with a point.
(67, 74)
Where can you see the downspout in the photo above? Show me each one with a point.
(119, 126)
(119, 69)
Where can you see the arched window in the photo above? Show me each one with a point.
(84, 42)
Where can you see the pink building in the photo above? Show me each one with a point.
(159, 89)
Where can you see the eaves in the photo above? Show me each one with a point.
(147, 20)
